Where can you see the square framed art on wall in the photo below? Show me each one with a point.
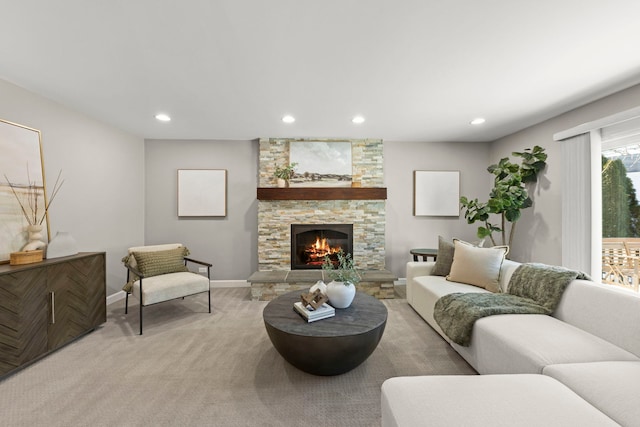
(436, 193)
(202, 192)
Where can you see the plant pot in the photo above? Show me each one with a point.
(341, 294)
(283, 183)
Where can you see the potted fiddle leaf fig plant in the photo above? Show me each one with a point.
(342, 289)
(509, 195)
(284, 174)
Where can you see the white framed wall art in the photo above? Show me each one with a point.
(436, 193)
(202, 192)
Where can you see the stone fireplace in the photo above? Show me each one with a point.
(361, 206)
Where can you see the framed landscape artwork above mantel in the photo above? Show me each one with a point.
(21, 164)
(321, 163)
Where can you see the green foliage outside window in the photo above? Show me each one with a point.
(620, 208)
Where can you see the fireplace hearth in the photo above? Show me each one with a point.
(310, 243)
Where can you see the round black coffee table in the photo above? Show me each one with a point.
(329, 346)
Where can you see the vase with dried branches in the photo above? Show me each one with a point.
(28, 197)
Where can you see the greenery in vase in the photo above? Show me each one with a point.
(509, 194)
(285, 172)
(33, 213)
(344, 271)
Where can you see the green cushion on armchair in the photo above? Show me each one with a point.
(161, 262)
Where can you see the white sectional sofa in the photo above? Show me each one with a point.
(584, 357)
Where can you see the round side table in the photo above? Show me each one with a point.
(424, 253)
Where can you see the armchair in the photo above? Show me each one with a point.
(159, 273)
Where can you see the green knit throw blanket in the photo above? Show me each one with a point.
(533, 289)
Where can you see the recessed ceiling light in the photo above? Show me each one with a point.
(288, 119)
(358, 119)
(163, 117)
(478, 121)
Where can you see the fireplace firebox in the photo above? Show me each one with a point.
(310, 243)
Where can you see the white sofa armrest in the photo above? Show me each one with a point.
(417, 269)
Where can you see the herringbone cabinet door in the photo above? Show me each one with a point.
(23, 318)
(78, 298)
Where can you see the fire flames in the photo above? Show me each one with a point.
(316, 252)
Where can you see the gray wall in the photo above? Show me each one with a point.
(101, 203)
(405, 231)
(229, 243)
(538, 237)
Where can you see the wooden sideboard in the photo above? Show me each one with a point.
(47, 304)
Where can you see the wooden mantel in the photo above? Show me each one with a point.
(322, 193)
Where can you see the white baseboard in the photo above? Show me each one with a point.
(401, 281)
(116, 297)
(230, 284)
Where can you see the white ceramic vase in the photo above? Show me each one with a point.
(341, 294)
(62, 245)
(34, 240)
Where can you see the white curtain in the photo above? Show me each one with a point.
(576, 203)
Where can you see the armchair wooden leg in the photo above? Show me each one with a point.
(126, 303)
(209, 300)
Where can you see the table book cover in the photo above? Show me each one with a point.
(322, 312)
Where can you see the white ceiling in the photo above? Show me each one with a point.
(418, 70)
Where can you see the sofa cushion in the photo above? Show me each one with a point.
(485, 400)
(166, 287)
(526, 343)
(444, 258)
(477, 266)
(613, 313)
(612, 387)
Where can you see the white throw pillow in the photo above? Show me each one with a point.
(477, 266)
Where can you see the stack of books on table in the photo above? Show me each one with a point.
(323, 312)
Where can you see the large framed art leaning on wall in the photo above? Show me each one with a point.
(23, 200)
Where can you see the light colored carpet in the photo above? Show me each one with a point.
(220, 369)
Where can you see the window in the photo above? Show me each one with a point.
(589, 197)
(620, 144)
